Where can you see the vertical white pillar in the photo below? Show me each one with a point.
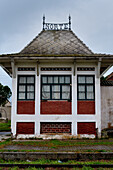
(14, 106)
(37, 101)
(98, 106)
(74, 102)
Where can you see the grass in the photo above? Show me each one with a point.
(54, 143)
(33, 168)
(57, 162)
(5, 126)
(47, 161)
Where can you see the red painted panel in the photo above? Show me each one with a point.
(26, 107)
(110, 79)
(56, 107)
(54, 127)
(86, 128)
(25, 128)
(86, 107)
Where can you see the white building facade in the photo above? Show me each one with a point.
(56, 85)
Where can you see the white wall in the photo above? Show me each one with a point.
(74, 118)
(106, 106)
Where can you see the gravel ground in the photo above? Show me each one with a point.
(108, 148)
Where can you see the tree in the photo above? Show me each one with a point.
(5, 94)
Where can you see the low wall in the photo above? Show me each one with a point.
(55, 156)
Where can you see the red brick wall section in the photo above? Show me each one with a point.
(26, 107)
(56, 107)
(86, 128)
(56, 127)
(86, 107)
(25, 128)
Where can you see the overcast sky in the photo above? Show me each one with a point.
(21, 21)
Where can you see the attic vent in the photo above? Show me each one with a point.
(26, 68)
(56, 69)
(85, 69)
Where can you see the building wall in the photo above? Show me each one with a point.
(106, 106)
(71, 116)
(6, 111)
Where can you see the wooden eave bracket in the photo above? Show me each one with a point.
(37, 68)
(74, 70)
(98, 68)
(13, 68)
(106, 70)
(6, 70)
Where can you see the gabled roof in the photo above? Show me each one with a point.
(56, 42)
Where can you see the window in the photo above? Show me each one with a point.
(26, 87)
(56, 88)
(86, 88)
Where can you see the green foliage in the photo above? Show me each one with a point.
(5, 94)
(62, 143)
(47, 161)
(103, 78)
(5, 126)
(86, 168)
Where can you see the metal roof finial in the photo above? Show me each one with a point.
(43, 21)
(69, 22)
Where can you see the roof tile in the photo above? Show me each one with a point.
(56, 42)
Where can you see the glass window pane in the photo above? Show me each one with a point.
(21, 95)
(55, 88)
(67, 79)
(61, 79)
(66, 92)
(46, 88)
(30, 79)
(81, 95)
(46, 92)
(55, 79)
(89, 79)
(22, 79)
(65, 88)
(45, 95)
(30, 95)
(90, 95)
(44, 79)
(89, 88)
(81, 88)
(21, 88)
(55, 92)
(55, 95)
(81, 79)
(66, 95)
(50, 79)
(30, 88)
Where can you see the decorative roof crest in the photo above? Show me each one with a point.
(57, 26)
